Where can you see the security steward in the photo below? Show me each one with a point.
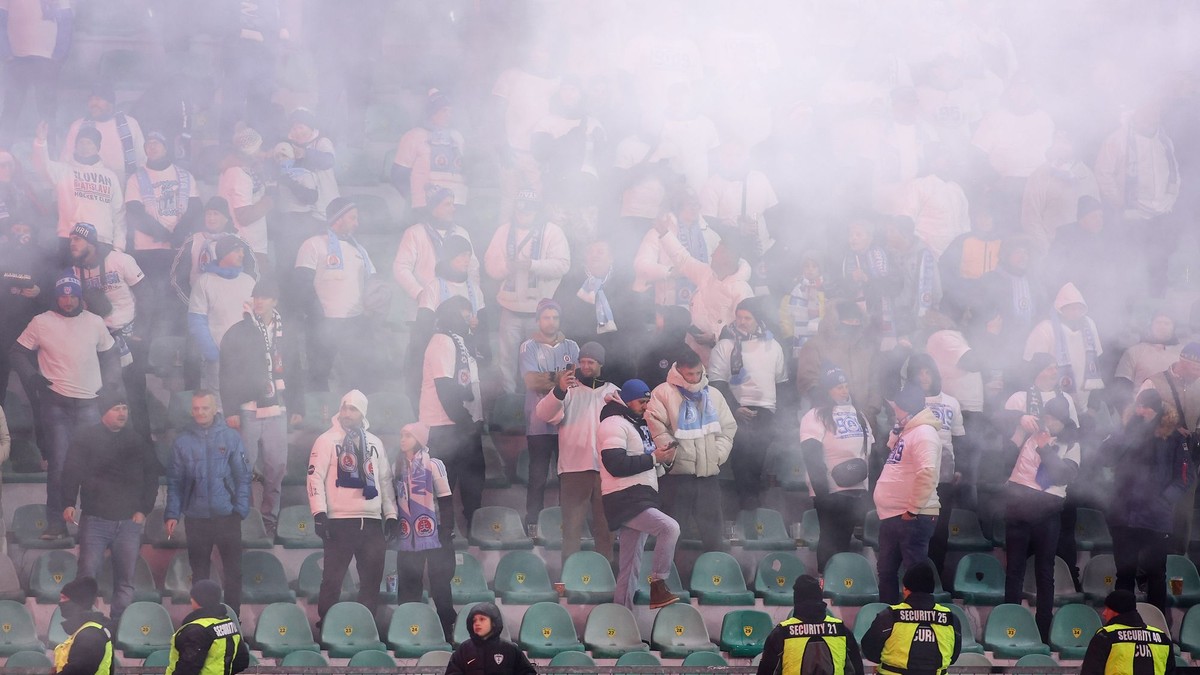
(208, 642)
(917, 636)
(811, 642)
(89, 650)
(1125, 644)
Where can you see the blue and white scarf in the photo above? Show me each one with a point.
(698, 415)
(416, 501)
(444, 294)
(927, 280)
(355, 466)
(127, 150)
(806, 302)
(592, 292)
(1062, 356)
(336, 261)
(511, 248)
(692, 238)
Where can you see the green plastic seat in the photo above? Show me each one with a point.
(295, 528)
(1091, 531)
(437, 660)
(810, 529)
(550, 532)
(1072, 629)
(1099, 578)
(678, 630)
(764, 530)
(641, 595)
(969, 643)
(1153, 616)
(308, 582)
(372, 658)
(21, 635)
(706, 659)
(166, 354)
(348, 629)
(850, 580)
(395, 411)
(791, 472)
(546, 630)
(155, 532)
(744, 631)
(1064, 585)
(521, 579)
(283, 628)
(56, 635)
(28, 522)
(462, 633)
(263, 579)
(638, 659)
(159, 659)
(31, 659)
(965, 532)
(774, 577)
(611, 631)
(979, 580)
(144, 589)
(871, 530)
(468, 585)
(717, 580)
(565, 659)
(1179, 566)
(414, 630)
(1011, 633)
(972, 660)
(145, 628)
(508, 414)
(254, 532)
(1189, 631)
(177, 584)
(304, 659)
(1036, 661)
(51, 571)
(499, 528)
(867, 614)
(588, 578)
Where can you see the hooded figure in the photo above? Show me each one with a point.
(1070, 336)
(487, 651)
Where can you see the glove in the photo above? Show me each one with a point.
(446, 537)
(389, 529)
(319, 525)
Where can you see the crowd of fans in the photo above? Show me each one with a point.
(920, 273)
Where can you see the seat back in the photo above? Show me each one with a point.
(611, 626)
(979, 571)
(143, 581)
(1073, 627)
(762, 525)
(849, 573)
(572, 659)
(308, 582)
(1099, 577)
(30, 659)
(520, 570)
(1011, 625)
(415, 625)
(347, 626)
(304, 659)
(434, 659)
(51, 571)
(263, 578)
(296, 529)
(179, 410)
(645, 568)
(254, 531)
(1036, 661)
(28, 522)
(1153, 616)
(969, 642)
(508, 414)
(21, 634)
(705, 659)
(638, 659)
(587, 574)
(1189, 630)
(972, 660)
(498, 526)
(810, 528)
(546, 624)
(871, 529)
(867, 614)
(1091, 530)
(145, 627)
(55, 636)
(283, 628)
(1179, 566)
(372, 658)
(462, 632)
(744, 631)
(159, 659)
(155, 532)
(777, 572)
(468, 578)
(1063, 582)
(396, 412)
(791, 472)
(716, 572)
(964, 527)
(678, 625)
(319, 408)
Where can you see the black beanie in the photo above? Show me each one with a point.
(806, 589)
(82, 591)
(1121, 601)
(922, 578)
(337, 208)
(206, 593)
(454, 246)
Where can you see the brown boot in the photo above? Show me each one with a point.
(660, 596)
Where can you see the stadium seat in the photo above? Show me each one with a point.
(308, 582)
(372, 658)
(1099, 578)
(1012, 633)
(508, 414)
(349, 628)
(1153, 616)
(717, 580)
(744, 631)
(159, 659)
(30, 659)
(810, 529)
(764, 530)
(28, 522)
(611, 631)
(55, 633)
(791, 472)
(706, 659)
(638, 659)
(438, 660)
(521, 579)
(144, 589)
(965, 532)
(1179, 566)
(254, 532)
(155, 532)
(1091, 531)
(566, 659)
(979, 580)
(641, 596)
(866, 614)
(21, 634)
(588, 578)
(462, 632)
(550, 532)
(1189, 631)
(282, 629)
(468, 584)
(263, 579)
(166, 355)
(177, 584)
(774, 577)
(1064, 586)
(969, 643)
(414, 630)
(1072, 629)
(972, 660)
(304, 659)
(1037, 661)
(296, 528)
(546, 630)
(850, 580)
(145, 628)
(679, 630)
(871, 530)
(499, 528)
(51, 571)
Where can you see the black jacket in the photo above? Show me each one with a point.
(808, 612)
(114, 474)
(244, 367)
(1095, 660)
(192, 643)
(492, 655)
(881, 630)
(87, 651)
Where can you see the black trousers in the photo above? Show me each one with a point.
(461, 450)
(685, 496)
(1032, 521)
(948, 497)
(749, 454)
(838, 513)
(1137, 548)
(439, 562)
(542, 450)
(347, 538)
(224, 532)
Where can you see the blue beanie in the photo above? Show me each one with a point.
(633, 390)
(911, 399)
(832, 376)
(68, 285)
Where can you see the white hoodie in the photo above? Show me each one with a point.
(578, 418)
(324, 496)
(909, 480)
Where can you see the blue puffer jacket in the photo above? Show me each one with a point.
(209, 475)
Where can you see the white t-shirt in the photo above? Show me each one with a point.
(238, 188)
(528, 98)
(1028, 461)
(30, 31)
(222, 300)
(165, 204)
(946, 408)
(440, 361)
(1015, 144)
(435, 158)
(87, 193)
(121, 272)
(946, 347)
(644, 198)
(340, 288)
(440, 290)
(112, 150)
(67, 349)
(326, 180)
(842, 444)
(764, 367)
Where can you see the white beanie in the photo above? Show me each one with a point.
(358, 400)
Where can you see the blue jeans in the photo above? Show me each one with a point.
(901, 541)
(60, 417)
(633, 539)
(124, 539)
